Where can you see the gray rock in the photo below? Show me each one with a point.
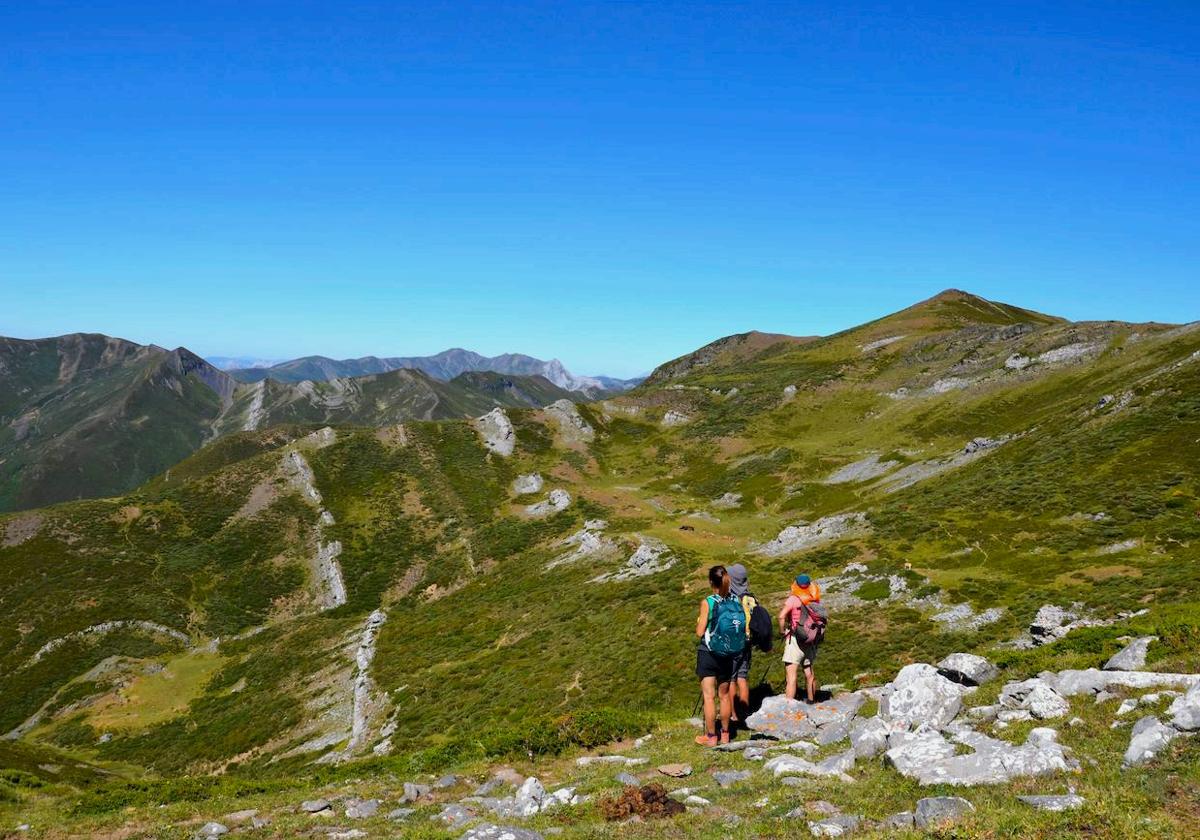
(729, 778)
(919, 694)
(793, 781)
(1147, 739)
(840, 826)
(833, 733)
(413, 792)
(1185, 710)
(628, 779)
(210, 829)
(454, 815)
(983, 714)
(696, 801)
(1092, 680)
(400, 813)
(898, 822)
(1035, 696)
(1060, 802)
(936, 811)
(1127, 706)
(1132, 657)
(836, 764)
(790, 765)
(968, 669)
(930, 759)
(869, 737)
(314, 806)
(529, 798)
(488, 831)
(525, 484)
(446, 782)
(489, 787)
(358, 809)
(791, 720)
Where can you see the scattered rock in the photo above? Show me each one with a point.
(869, 737)
(489, 831)
(696, 801)
(675, 771)
(934, 811)
(210, 829)
(413, 792)
(529, 798)
(627, 779)
(571, 426)
(1148, 738)
(358, 809)
(727, 501)
(401, 813)
(1035, 696)
(968, 669)
(729, 778)
(925, 755)
(840, 826)
(675, 418)
(1017, 362)
(314, 806)
(454, 815)
(1132, 657)
(861, 470)
(239, 817)
(1058, 802)
(1092, 680)
(1127, 706)
(447, 781)
(823, 808)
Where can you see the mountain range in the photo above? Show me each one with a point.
(332, 603)
(444, 366)
(88, 415)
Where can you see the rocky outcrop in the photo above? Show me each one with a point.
(365, 703)
(675, 418)
(1132, 657)
(554, 502)
(651, 557)
(330, 587)
(919, 694)
(1035, 696)
(523, 485)
(864, 469)
(497, 432)
(588, 542)
(1054, 802)
(104, 628)
(255, 413)
(925, 755)
(572, 428)
(937, 811)
(967, 669)
(805, 535)
(790, 720)
(1185, 710)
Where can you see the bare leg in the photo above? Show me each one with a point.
(742, 703)
(708, 688)
(810, 683)
(726, 706)
(790, 689)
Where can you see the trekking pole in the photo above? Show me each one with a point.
(699, 702)
(763, 679)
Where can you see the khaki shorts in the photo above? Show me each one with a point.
(795, 653)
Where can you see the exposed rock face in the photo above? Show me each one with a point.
(330, 586)
(1147, 739)
(862, 470)
(675, 418)
(497, 432)
(928, 757)
(523, 485)
(557, 500)
(585, 543)
(1092, 681)
(364, 687)
(919, 694)
(1017, 362)
(842, 825)
(1132, 657)
(869, 736)
(571, 425)
(940, 810)
(255, 413)
(803, 535)
(911, 474)
(968, 669)
(880, 343)
(789, 720)
(727, 501)
(314, 806)
(1052, 623)
(1067, 353)
(651, 557)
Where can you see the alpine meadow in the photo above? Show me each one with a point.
(344, 623)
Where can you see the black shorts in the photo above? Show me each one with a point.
(709, 664)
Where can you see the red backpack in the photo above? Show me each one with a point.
(809, 623)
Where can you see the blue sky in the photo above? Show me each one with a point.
(613, 184)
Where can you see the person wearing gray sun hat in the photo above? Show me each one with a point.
(739, 587)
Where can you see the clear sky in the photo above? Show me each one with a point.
(613, 184)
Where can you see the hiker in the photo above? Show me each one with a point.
(795, 623)
(739, 587)
(721, 628)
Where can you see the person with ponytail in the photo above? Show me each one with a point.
(721, 629)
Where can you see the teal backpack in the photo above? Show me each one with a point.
(726, 634)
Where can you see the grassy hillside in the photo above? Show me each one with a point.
(981, 458)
